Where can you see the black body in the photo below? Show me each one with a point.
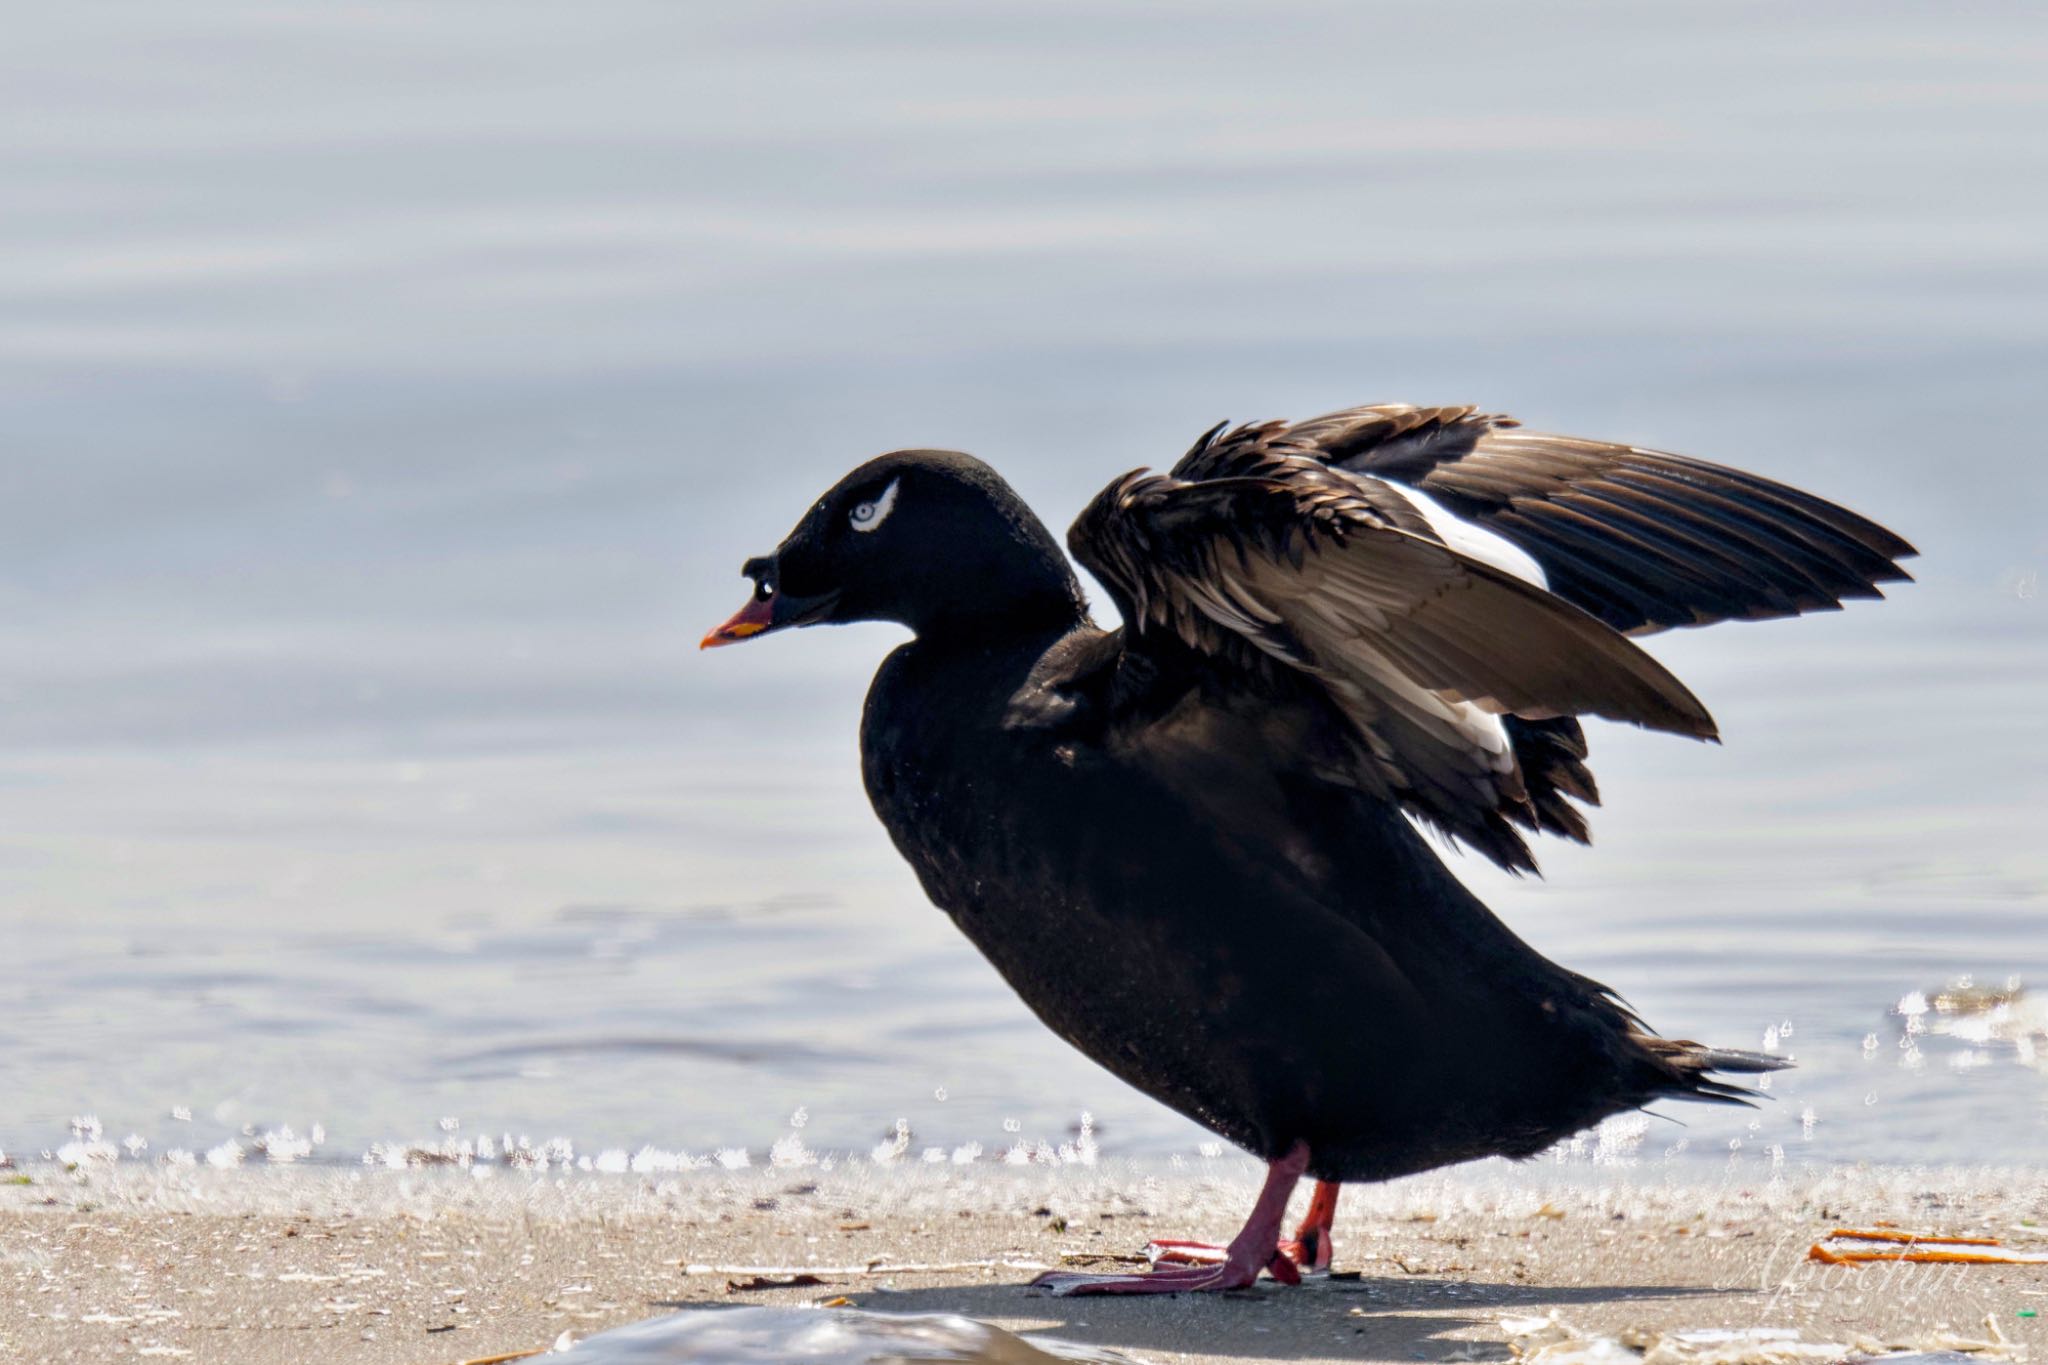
(1273, 961)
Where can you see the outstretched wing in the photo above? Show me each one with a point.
(1642, 539)
(1260, 556)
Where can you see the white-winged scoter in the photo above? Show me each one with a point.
(1187, 843)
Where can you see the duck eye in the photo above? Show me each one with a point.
(866, 516)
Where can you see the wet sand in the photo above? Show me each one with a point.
(435, 1267)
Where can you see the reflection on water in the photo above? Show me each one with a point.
(840, 1336)
(388, 401)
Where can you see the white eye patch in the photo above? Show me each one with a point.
(866, 516)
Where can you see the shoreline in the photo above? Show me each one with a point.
(435, 1267)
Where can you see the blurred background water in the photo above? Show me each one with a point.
(389, 394)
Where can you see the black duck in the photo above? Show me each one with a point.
(1190, 844)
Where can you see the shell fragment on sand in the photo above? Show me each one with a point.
(841, 1337)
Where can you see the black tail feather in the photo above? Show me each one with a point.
(1687, 1066)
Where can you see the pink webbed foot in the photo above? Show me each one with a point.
(1297, 1255)
(1236, 1266)
(1308, 1251)
(1180, 1280)
(1174, 1251)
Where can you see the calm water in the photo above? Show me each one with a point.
(388, 396)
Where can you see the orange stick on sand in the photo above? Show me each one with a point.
(1913, 1237)
(1935, 1253)
(1823, 1255)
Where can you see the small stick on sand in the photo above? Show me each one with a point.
(1991, 1251)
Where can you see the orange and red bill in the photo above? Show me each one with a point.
(756, 616)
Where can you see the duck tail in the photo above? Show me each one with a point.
(1687, 1066)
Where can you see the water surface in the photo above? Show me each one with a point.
(388, 397)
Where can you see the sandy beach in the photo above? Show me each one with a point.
(435, 1267)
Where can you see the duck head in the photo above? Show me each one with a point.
(931, 539)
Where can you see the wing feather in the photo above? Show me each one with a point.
(1641, 538)
(1420, 649)
(1296, 548)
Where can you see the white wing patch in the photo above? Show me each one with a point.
(868, 515)
(1472, 540)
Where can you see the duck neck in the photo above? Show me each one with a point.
(1004, 586)
(1007, 605)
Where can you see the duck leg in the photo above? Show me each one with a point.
(1310, 1247)
(1255, 1248)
